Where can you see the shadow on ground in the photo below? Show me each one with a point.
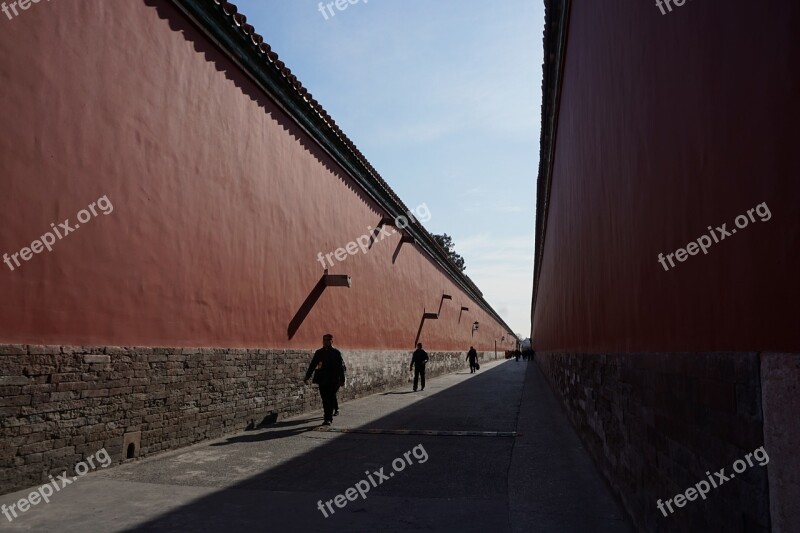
(471, 469)
(275, 432)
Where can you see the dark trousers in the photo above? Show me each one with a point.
(336, 399)
(419, 373)
(472, 363)
(328, 395)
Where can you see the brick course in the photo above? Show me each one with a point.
(60, 404)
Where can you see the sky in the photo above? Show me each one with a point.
(443, 97)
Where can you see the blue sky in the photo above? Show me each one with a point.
(443, 97)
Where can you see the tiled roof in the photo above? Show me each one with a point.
(292, 84)
(272, 58)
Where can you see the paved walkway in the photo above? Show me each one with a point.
(272, 479)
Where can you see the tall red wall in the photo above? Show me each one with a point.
(221, 203)
(669, 124)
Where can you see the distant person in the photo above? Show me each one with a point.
(418, 362)
(472, 356)
(516, 355)
(327, 367)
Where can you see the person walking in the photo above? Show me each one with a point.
(418, 362)
(472, 356)
(327, 367)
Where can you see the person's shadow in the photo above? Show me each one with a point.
(271, 431)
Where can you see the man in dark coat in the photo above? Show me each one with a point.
(329, 375)
(418, 362)
(472, 356)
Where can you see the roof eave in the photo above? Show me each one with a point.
(555, 42)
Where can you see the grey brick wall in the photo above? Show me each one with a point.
(59, 404)
(656, 423)
(780, 392)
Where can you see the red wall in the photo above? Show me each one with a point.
(669, 124)
(221, 203)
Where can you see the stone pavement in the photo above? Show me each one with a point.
(272, 479)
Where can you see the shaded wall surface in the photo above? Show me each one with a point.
(221, 203)
(669, 124)
(665, 127)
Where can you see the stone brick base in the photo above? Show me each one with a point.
(656, 423)
(59, 404)
(780, 389)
